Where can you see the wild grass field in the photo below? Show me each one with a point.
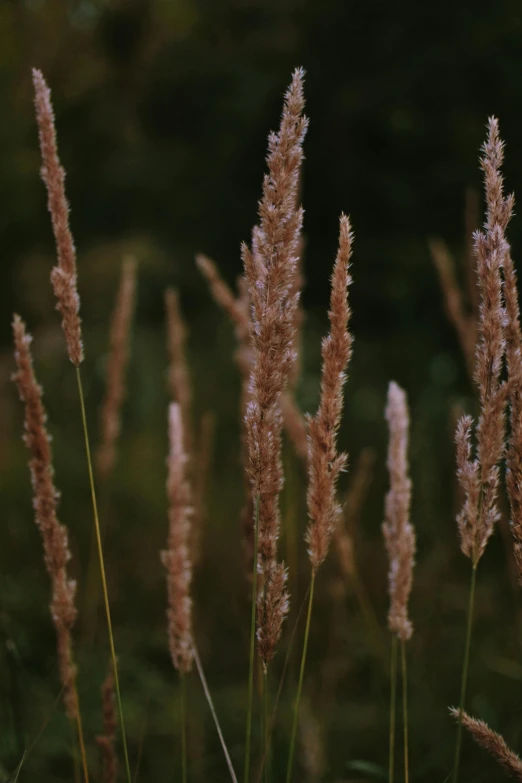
(311, 416)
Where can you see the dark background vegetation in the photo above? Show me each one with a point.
(163, 109)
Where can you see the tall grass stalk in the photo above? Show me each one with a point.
(183, 726)
(74, 751)
(102, 572)
(213, 711)
(282, 680)
(465, 669)
(393, 707)
(81, 741)
(405, 710)
(300, 683)
(252, 642)
(266, 729)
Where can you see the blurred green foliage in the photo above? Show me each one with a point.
(163, 109)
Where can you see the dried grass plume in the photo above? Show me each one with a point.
(398, 532)
(270, 269)
(176, 557)
(45, 502)
(490, 741)
(479, 476)
(63, 276)
(118, 358)
(324, 462)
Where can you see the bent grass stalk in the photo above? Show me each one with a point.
(102, 572)
(300, 684)
(393, 710)
(213, 711)
(252, 642)
(465, 669)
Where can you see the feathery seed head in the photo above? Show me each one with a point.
(63, 276)
(118, 357)
(324, 463)
(176, 557)
(45, 502)
(399, 535)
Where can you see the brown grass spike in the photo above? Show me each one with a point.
(63, 276)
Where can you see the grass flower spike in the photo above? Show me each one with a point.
(398, 532)
(176, 557)
(119, 353)
(63, 276)
(54, 535)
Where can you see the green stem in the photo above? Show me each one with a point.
(208, 697)
(102, 572)
(405, 710)
(300, 684)
(393, 700)
(266, 738)
(252, 643)
(81, 741)
(74, 752)
(465, 668)
(183, 721)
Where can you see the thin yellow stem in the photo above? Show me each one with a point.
(304, 603)
(405, 711)
(183, 721)
(300, 684)
(79, 726)
(252, 643)
(213, 712)
(74, 751)
(465, 669)
(393, 700)
(266, 737)
(102, 572)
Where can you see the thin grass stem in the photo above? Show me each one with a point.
(208, 695)
(405, 710)
(304, 603)
(92, 590)
(465, 669)
(266, 737)
(102, 572)
(300, 683)
(393, 701)
(252, 643)
(183, 726)
(74, 751)
(79, 725)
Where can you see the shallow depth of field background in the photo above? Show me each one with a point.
(163, 109)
